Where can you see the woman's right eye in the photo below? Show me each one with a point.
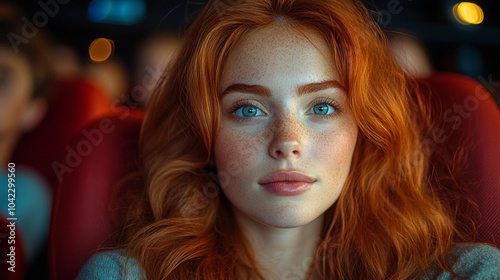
(248, 111)
(245, 110)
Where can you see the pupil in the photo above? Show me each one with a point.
(322, 108)
(249, 110)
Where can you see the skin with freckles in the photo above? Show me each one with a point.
(284, 131)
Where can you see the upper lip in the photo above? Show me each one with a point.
(286, 176)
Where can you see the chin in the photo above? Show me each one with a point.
(289, 218)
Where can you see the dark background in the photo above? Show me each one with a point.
(472, 50)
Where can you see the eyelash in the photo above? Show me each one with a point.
(326, 101)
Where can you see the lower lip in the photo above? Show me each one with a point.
(287, 188)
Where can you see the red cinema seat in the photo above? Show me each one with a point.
(470, 114)
(75, 103)
(103, 153)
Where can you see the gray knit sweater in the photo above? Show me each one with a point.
(470, 262)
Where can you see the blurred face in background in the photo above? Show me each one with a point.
(111, 76)
(309, 129)
(16, 89)
(152, 59)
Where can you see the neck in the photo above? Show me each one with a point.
(282, 253)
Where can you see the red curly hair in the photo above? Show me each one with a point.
(388, 223)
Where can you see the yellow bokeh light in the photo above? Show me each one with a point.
(101, 49)
(468, 13)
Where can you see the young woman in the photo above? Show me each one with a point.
(314, 134)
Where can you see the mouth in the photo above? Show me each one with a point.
(287, 183)
(287, 188)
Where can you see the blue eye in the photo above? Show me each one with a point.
(244, 110)
(323, 109)
(248, 111)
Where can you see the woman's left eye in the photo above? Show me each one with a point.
(325, 107)
(322, 109)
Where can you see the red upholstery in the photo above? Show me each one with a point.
(75, 103)
(20, 262)
(468, 109)
(81, 220)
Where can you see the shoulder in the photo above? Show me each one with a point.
(110, 265)
(474, 261)
(32, 181)
(477, 258)
(31, 189)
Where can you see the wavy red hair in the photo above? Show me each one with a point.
(388, 222)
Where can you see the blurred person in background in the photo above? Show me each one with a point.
(111, 76)
(66, 62)
(24, 84)
(410, 53)
(151, 62)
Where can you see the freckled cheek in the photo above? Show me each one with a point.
(236, 153)
(334, 155)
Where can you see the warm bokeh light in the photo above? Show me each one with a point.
(101, 49)
(468, 13)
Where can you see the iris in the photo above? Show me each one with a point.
(249, 111)
(321, 109)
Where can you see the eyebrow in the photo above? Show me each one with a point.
(264, 91)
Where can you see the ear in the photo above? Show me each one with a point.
(34, 114)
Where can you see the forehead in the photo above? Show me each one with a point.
(279, 53)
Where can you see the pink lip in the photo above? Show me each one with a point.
(286, 183)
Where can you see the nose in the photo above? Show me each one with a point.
(286, 141)
(285, 150)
